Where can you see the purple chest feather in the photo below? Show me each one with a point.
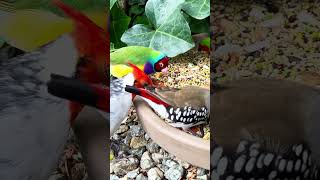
(148, 68)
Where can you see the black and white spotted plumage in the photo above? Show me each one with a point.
(186, 116)
(34, 124)
(251, 161)
(186, 107)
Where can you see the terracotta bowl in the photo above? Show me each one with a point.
(186, 147)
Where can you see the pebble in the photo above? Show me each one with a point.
(147, 137)
(155, 174)
(122, 166)
(136, 130)
(133, 174)
(201, 172)
(123, 128)
(114, 177)
(146, 161)
(157, 157)
(138, 142)
(153, 147)
(141, 177)
(137, 152)
(174, 173)
(203, 177)
(170, 163)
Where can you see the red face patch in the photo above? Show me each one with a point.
(162, 64)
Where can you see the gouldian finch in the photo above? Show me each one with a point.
(147, 59)
(182, 108)
(204, 45)
(35, 124)
(202, 41)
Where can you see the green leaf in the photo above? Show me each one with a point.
(112, 49)
(119, 24)
(135, 10)
(138, 2)
(112, 2)
(142, 20)
(198, 9)
(199, 26)
(170, 34)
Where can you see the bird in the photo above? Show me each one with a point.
(35, 124)
(120, 100)
(184, 107)
(280, 116)
(147, 59)
(202, 41)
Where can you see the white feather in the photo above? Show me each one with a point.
(61, 58)
(120, 104)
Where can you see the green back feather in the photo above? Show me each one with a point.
(137, 55)
(205, 42)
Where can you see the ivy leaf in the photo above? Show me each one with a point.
(112, 2)
(170, 33)
(138, 2)
(199, 26)
(198, 9)
(119, 24)
(142, 20)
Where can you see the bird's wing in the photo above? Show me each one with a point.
(186, 96)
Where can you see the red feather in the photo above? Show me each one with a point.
(142, 79)
(92, 44)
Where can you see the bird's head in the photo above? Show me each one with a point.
(159, 63)
(162, 65)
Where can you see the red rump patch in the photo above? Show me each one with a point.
(141, 78)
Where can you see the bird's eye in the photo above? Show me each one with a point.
(161, 64)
